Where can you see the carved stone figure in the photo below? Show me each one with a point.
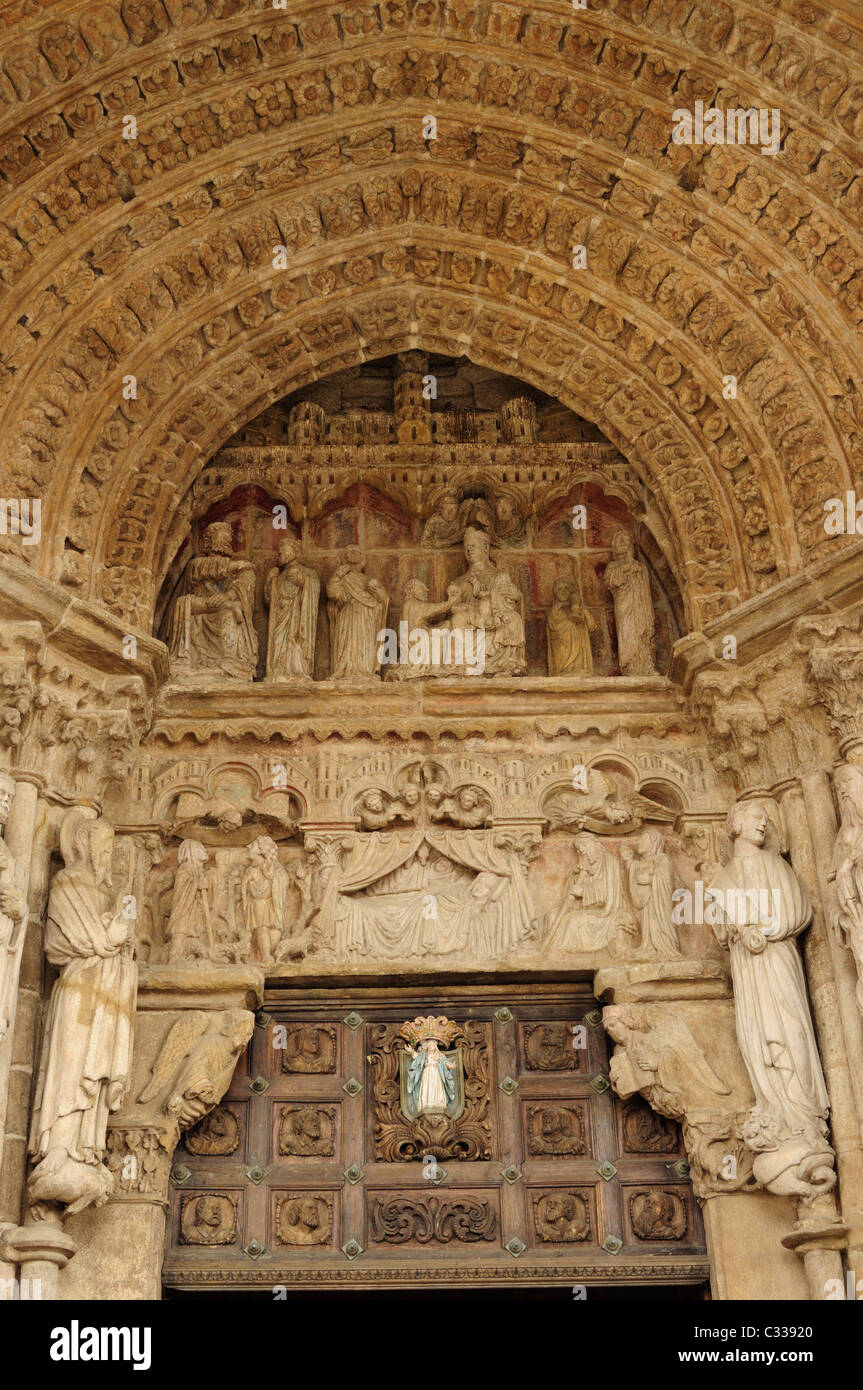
(694, 1077)
(509, 527)
(13, 911)
(634, 620)
(264, 891)
(443, 526)
(568, 626)
(189, 931)
(419, 891)
(211, 627)
(847, 867)
(469, 808)
(357, 612)
(87, 1041)
(651, 884)
(594, 915)
(417, 613)
(196, 1062)
(760, 909)
(485, 600)
(292, 592)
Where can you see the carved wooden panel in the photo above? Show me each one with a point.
(209, 1218)
(563, 1216)
(304, 1218)
(658, 1214)
(549, 1047)
(396, 1137)
(218, 1134)
(307, 1130)
(643, 1131)
(557, 1129)
(310, 1173)
(310, 1049)
(459, 1218)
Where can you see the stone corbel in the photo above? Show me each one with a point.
(673, 1026)
(674, 1030)
(192, 1026)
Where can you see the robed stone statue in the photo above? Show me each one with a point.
(634, 619)
(87, 1042)
(357, 612)
(292, 592)
(211, 624)
(759, 909)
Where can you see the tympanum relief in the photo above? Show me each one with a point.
(489, 584)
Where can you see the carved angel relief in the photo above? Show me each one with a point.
(195, 1065)
(447, 1117)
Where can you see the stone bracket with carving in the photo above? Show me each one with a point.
(673, 1025)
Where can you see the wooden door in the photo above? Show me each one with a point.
(310, 1175)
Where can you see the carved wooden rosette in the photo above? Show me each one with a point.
(396, 1137)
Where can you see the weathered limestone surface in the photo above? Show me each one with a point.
(429, 553)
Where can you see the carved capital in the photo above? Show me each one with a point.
(761, 721)
(832, 646)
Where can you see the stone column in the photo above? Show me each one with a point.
(20, 831)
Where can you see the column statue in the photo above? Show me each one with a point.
(846, 870)
(759, 908)
(13, 911)
(87, 1042)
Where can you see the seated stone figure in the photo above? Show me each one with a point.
(485, 600)
(211, 628)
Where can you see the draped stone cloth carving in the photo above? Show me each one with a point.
(428, 891)
(87, 1045)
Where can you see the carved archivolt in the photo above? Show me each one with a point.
(574, 109)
